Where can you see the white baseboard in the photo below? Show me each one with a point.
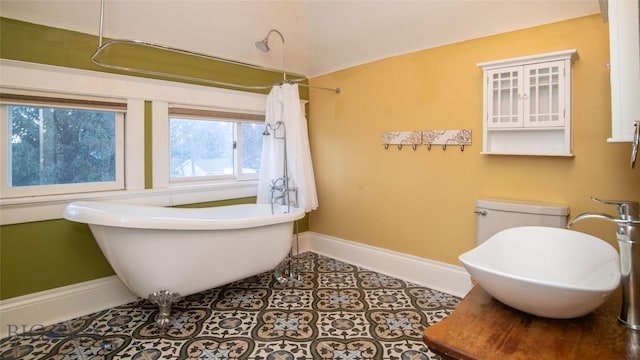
(34, 311)
(433, 274)
(31, 312)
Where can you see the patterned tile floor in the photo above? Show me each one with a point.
(338, 311)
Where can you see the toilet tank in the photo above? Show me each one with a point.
(496, 215)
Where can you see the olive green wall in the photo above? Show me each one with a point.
(48, 254)
(41, 44)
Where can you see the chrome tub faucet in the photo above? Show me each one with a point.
(628, 236)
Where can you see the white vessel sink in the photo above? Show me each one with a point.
(545, 271)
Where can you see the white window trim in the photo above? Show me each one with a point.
(160, 145)
(38, 77)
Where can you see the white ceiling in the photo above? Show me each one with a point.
(321, 36)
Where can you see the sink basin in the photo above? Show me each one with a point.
(544, 271)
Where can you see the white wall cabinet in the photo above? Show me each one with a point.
(624, 42)
(527, 105)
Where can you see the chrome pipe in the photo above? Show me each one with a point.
(629, 273)
(284, 188)
(101, 23)
(102, 46)
(108, 43)
(99, 50)
(265, 48)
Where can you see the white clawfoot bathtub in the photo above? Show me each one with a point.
(184, 251)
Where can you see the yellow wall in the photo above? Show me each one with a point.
(421, 202)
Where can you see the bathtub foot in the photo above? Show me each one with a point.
(164, 299)
(286, 272)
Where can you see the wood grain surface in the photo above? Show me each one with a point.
(483, 328)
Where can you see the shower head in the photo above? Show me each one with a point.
(266, 130)
(263, 45)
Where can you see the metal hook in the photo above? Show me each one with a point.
(415, 147)
(444, 147)
(429, 147)
(386, 146)
(400, 147)
(462, 148)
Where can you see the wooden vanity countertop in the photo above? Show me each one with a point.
(484, 328)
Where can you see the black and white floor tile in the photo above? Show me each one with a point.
(337, 311)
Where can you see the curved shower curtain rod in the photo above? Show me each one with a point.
(108, 43)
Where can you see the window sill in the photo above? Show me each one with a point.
(41, 208)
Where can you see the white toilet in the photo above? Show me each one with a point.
(496, 215)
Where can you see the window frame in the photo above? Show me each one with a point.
(7, 191)
(236, 120)
(137, 91)
(163, 111)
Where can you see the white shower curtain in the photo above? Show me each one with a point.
(283, 104)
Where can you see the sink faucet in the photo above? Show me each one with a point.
(628, 235)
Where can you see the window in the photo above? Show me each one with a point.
(60, 146)
(209, 145)
(142, 174)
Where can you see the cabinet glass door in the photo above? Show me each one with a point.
(505, 86)
(544, 84)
